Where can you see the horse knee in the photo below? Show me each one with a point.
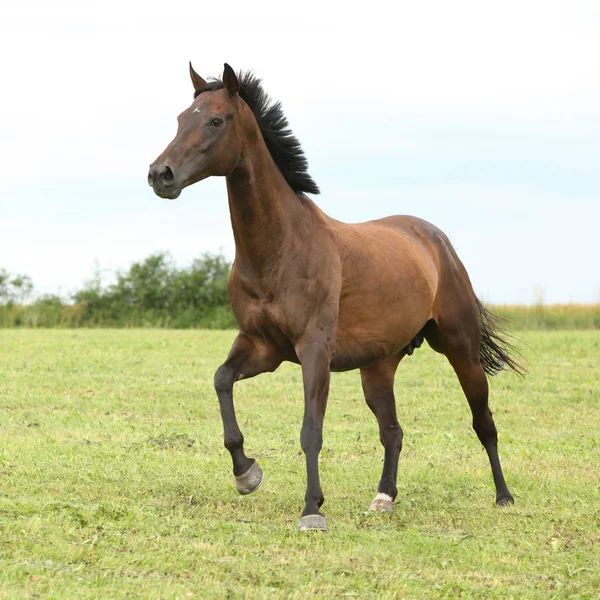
(223, 379)
(391, 436)
(311, 435)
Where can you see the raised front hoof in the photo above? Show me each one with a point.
(382, 503)
(505, 500)
(312, 523)
(250, 481)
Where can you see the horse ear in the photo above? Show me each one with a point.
(197, 81)
(230, 80)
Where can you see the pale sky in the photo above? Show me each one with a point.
(483, 118)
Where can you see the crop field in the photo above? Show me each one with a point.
(114, 482)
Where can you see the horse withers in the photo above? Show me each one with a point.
(327, 295)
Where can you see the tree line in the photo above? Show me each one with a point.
(151, 293)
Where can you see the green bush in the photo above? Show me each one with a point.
(152, 293)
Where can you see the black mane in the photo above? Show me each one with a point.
(281, 142)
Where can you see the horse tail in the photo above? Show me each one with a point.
(496, 353)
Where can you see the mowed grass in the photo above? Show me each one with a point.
(114, 481)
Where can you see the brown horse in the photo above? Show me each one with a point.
(327, 295)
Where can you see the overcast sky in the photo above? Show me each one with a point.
(481, 117)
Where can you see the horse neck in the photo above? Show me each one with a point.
(261, 205)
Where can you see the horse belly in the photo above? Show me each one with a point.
(380, 319)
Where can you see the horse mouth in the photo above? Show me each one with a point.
(167, 193)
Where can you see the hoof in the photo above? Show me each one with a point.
(312, 522)
(250, 481)
(505, 501)
(382, 503)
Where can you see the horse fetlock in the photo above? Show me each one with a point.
(235, 442)
(311, 499)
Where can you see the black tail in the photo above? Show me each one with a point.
(496, 353)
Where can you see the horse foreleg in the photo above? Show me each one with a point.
(247, 358)
(315, 357)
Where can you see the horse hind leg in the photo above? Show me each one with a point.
(463, 352)
(378, 386)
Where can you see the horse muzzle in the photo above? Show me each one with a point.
(162, 180)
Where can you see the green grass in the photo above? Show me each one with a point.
(550, 316)
(114, 482)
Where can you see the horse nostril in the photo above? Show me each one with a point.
(150, 178)
(166, 176)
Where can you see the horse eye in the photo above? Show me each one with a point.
(217, 122)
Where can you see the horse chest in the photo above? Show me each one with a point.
(256, 313)
(259, 314)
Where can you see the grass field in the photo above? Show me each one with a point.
(114, 481)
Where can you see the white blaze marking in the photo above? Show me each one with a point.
(196, 110)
